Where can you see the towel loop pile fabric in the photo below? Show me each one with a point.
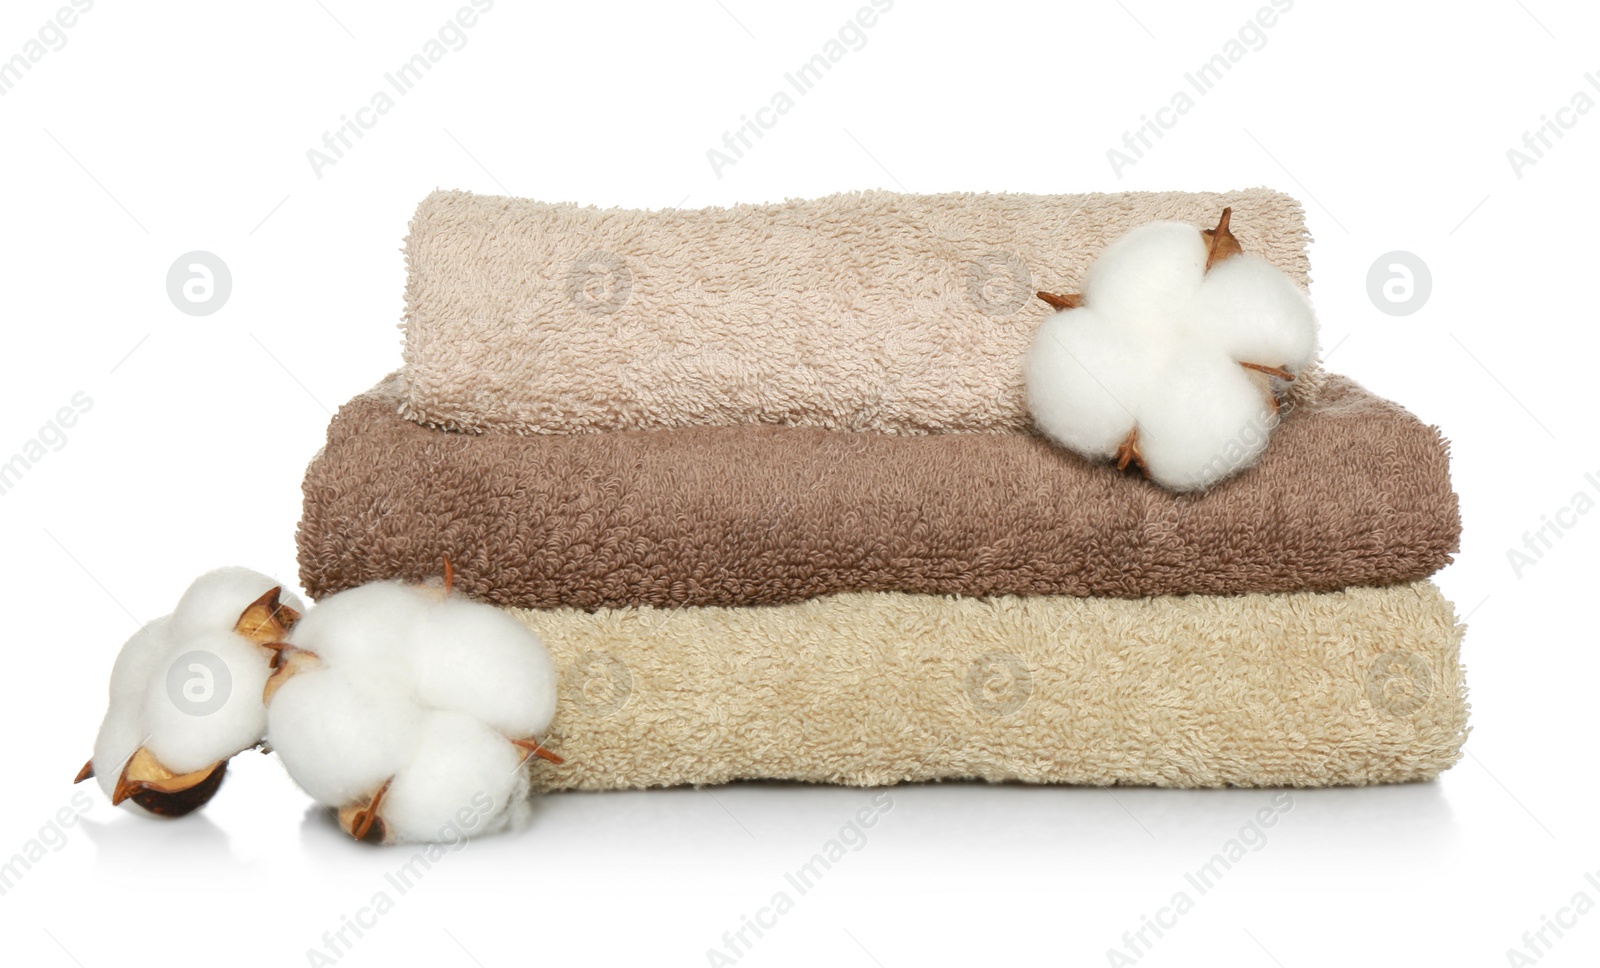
(772, 466)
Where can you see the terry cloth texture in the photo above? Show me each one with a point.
(1353, 687)
(877, 311)
(1353, 491)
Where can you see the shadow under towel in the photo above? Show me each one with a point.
(1353, 490)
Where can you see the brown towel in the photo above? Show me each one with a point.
(1353, 490)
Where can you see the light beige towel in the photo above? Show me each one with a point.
(903, 314)
(1304, 689)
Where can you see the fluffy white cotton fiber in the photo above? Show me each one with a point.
(1255, 313)
(1084, 381)
(462, 775)
(1163, 364)
(412, 712)
(1203, 419)
(217, 709)
(185, 692)
(344, 737)
(1141, 276)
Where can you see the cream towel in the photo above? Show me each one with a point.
(1304, 689)
(902, 314)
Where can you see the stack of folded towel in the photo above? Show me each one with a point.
(764, 481)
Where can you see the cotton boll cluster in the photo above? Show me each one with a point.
(412, 712)
(186, 693)
(1171, 357)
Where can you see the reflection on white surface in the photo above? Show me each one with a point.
(195, 844)
(1126, 829)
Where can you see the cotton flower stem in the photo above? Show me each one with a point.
(1222, 241)
(361, 821)
(1128, 453)
(532, 746)
(1067, 300)
(1276, 371)
(449, 576)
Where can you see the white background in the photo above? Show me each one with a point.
(164, 128)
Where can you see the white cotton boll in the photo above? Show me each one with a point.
(371, 624)
(371, 628)
(1257, 314)
(137, 661)
(338, 736)
(1205, 419)
(477, 659)
(1148, 369)
(463, 782)
(185, 695)
(213, 601)
(1146, 272)
(205, 705)
(121, 733)
(401, 706)
(1084, 381)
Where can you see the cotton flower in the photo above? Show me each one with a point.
(1171, 357)
(186, 693)
(412, 712)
